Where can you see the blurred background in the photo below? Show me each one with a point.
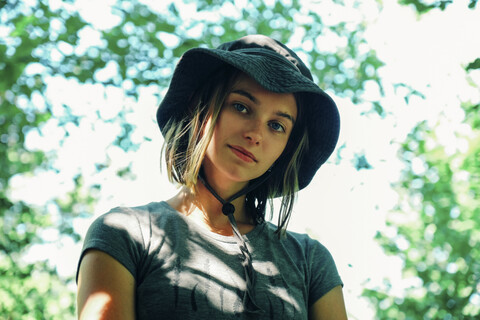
(398, 204)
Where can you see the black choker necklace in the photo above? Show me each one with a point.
(228, 209)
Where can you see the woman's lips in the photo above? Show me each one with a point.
(243, 154)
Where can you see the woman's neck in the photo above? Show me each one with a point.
(206, 209)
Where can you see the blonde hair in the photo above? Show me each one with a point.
(188, 135)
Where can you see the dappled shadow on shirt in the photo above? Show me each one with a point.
(186, 272)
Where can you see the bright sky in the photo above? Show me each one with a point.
(342, 207)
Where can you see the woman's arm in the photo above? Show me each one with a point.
(329, 307)
(106, 289)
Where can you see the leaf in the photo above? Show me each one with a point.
(474, 65)
(360, 162)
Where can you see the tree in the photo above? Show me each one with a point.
(434, 229)
(425, 6)
(31, 289)
(40, 43)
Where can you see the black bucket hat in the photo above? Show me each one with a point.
(276, 68)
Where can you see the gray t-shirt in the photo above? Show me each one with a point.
(184, 271)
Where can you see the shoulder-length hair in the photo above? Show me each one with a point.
(188, 135)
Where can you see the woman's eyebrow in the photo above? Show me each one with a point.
(286, 116)
(246, 95)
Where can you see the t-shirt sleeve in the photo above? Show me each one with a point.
(324, 273)
(119, 234)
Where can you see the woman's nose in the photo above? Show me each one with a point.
(253, 134)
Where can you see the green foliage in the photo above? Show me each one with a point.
(360, 162)
(40, 43)
(474, 64)
(423, 6)
(33, 291)
(27, 290)
(436, 227)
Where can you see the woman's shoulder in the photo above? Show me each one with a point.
(300, 241)
(128, 227)
(142, 212)
(288, 235)
(134, 219)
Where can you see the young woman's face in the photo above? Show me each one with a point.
(251, 132)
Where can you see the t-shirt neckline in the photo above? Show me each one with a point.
(249, 236)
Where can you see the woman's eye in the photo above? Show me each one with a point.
(277, 127)
(240, 107)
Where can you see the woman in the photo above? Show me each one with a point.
(243, 123)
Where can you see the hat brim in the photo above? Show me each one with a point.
(275, 74)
